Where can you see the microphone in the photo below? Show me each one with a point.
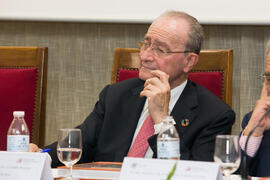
(244, 157)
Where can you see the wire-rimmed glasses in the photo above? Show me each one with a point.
(157, 51)
(265, 76)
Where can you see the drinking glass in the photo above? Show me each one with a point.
(69, 147)
(227, 154)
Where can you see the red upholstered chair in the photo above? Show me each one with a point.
(23, 76)
(213, 71)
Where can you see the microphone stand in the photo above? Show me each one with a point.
(244, 157)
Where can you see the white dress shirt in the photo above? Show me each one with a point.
(175, 94)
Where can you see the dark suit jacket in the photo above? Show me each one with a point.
(259, 165)
(108, 131)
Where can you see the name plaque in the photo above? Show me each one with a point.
(157, 169)
(25, 166)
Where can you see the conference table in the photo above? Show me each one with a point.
(83, 174)
(31, 165)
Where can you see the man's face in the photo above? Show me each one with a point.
(267, 71)
(165, 34)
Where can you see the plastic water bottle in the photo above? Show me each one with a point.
(168, 141)
(18, 133)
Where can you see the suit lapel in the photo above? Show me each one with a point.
(185, 109)
(136, 104)
(132, 107)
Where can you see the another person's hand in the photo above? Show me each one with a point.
(262, 105)
(157, 91)
(34, 148)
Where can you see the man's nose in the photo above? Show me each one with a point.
(147, 54)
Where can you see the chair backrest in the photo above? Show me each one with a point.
(23, 77)
(213, 71)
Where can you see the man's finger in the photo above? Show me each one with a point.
(146, 93)
(154, 80)
(161, 75)
(34, 148)
(149, 90)
(264, 92)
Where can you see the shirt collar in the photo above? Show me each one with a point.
(175, 94)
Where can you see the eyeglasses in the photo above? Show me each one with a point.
(265, 76)
(157, 51)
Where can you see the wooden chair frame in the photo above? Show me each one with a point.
(209, 60)
(23, 57)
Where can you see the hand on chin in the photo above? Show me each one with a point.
(145, 73)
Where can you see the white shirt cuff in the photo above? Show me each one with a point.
(157, 127)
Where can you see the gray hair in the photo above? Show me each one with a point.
(195, 35)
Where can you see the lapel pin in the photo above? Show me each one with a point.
(185, 122)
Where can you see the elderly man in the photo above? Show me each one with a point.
(168, 52)
(258, 147)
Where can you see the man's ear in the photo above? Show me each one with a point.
(191, 60)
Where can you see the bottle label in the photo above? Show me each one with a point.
(168, 150)
(18, 143)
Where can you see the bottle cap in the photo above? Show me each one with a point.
(18, 113)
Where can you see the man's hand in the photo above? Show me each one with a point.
(34, 148)
(157, 91)
(261, 107)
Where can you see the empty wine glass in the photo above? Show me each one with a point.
(227, 154)
(69, 147)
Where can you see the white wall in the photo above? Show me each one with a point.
(137, 11)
